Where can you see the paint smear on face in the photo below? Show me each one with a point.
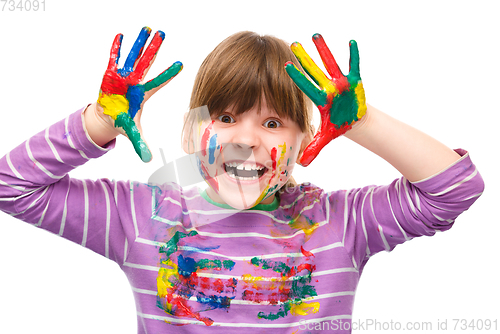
(211, 149)
(268, 191)
(205, 139)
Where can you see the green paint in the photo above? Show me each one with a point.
(299, 290)
(353, 77)
(319, 97)
(124, 121)
(168, 74)
(228, 264)
(271, 190)
(277, 266)
(171, 246)
(344, 108)
(209, 264)
(284, 309)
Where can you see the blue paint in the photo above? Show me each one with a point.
(135, 52)
(214, 301)
(211, 149)
(135, 97)
(199, 249)
(186, 266)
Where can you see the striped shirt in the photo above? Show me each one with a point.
(202, 267)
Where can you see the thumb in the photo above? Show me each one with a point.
(135, 136)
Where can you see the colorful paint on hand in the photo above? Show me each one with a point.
(340, 99)
(122, 94)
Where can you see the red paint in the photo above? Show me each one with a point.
(205, 138)
(273, 298)
(219, 286)
(231, 283)
(326, 133)
(273, 157)
(339, 80)
(204, 283)
(212, 181)
(306, 253)
(114, 83)
(187, 312)
(146, 60)
(306, 266)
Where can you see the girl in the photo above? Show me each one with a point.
(254, 251)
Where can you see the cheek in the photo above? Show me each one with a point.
(208, 150)
(283, 161)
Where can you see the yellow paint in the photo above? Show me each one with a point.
(300, 223)
(304, 308)
(360, 94)
(162, 281)
(278, 172)
(313, 69)
(113, 104)
(248, 278)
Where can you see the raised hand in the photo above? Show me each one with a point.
(340, 100)
(123, 94)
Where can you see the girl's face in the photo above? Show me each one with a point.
(247, 158)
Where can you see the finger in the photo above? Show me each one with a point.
(148, 58)
(136, 51)
(115, 52)
(134, 135)
(311, 68)
(316, 95)
(354, 75)
(328, 60)
(164, 77)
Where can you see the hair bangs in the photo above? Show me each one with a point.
(246, 71)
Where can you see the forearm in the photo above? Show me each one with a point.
(43, 160)
(413, 153)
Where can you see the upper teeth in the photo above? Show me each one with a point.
(244, 166)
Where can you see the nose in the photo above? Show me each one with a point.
(246, 136)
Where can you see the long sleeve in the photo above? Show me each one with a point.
(35, 187)
(379, 218)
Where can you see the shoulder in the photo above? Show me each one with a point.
(302, 195)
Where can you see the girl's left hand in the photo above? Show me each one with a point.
(340, 100)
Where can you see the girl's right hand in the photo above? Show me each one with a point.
(122, 95)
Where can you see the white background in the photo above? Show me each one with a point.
(432, 64)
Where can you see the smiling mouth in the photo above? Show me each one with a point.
(244, 171)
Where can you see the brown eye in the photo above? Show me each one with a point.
(272, 124)
(226, 119)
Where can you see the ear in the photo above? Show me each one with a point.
(306, 141)
(187, 137)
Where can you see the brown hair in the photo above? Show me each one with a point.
(245, 69)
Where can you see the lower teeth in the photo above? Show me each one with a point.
(243, 178)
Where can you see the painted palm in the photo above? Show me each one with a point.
(340, 99)
(123, 94)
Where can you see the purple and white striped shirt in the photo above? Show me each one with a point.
(201, 267)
